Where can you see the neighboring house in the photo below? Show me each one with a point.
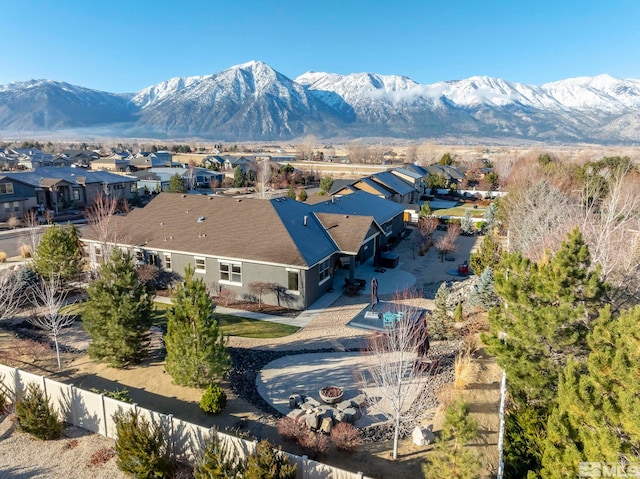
(147, 159)
(451, 174)
(111, 163)
(370, 186)
(58, 188)
(412, 178)
(216, 162)
(80, 158)
(401, 186)
(159, 179)
(234, 243)
(403, 192)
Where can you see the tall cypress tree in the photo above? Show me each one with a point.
(196, 353)
(118, 313)
(597, 417)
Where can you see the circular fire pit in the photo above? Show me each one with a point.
(331, 394)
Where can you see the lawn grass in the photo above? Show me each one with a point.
(460, 211)
(230, 325)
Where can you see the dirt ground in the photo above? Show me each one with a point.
(151, 387)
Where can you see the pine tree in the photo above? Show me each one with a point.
(302, 196)
(440, 323)
(218, 461)
(487, 256)
(59, 253)
(425, 210)
(483, 293)
(239, 178)
(118, 313)
(545, 313)
(467, 225)
(196, 352)
(176, 184)
(597, 417)
(291, 193)
(267, 463)
(449, 459)
(491, 218)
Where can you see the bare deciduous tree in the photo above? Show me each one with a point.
(400, 379)
(426, 227)
(103, 224)
(447, 243)
(32, 230)
(263, 178)
(47, 298)
(260, 288)
(10, 294)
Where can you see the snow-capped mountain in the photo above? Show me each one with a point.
(253, 101)
(45, 105)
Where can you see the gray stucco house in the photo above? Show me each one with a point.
(232, 243)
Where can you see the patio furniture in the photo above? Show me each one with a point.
(388, 319)
(389, 260)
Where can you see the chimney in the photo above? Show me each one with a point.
(333, 199)
(305, 220)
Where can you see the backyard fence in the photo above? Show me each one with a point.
(94, 412)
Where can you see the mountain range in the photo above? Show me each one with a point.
(252, 101)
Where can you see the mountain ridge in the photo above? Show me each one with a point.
(253, 101)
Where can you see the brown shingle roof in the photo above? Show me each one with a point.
(248, 229)
(347, 231)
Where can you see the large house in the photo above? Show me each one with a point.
(57, 188)
(235, 243)
(159, 179)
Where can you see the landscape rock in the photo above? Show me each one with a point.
(422, 436)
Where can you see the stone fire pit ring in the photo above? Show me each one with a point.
(331, 394)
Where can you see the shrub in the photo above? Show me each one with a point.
(227, 296)
(218, 462)
(314, 444)
(3, 257)
(4, 402)
(458, 315)
(25, 251)
(36, 415)
(346, 437)
(466, 370)
(13, 222)
(214, 399)
(266, 462)
(141, 447)
(119, 394)
(289, 428)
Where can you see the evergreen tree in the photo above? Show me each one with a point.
(449, 459)
(196, 353)
(303, 195)
(218, 461)
(545, 313)
(425, 210)
(597, 417)
(176, 185)
(487, 256)
(446, 160)
(483, 293)
(267, 463)
(291, 193)
(467, 225)
(325, 184)
(118, 313)
(239, 177)
(59, 253)
(440, 323)
(491, 218)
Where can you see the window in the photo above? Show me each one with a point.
(76, 195)
(293, 280)
(201, 264)
(7, 207)
(230, 272)
(16, 206)
(325, 270)
(167, 261)
(6, 188)
(97, 251)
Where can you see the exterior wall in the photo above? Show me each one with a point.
(17, 203)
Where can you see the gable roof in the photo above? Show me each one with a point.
(416, 168)
(408, 173)
(393, 182)
(361, 203)
(69, 174)
(373, 187)
(348, 232)
(249, 229)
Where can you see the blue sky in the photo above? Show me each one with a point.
(124, 46)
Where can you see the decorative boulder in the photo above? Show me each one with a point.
(312, 420)
(422, 436)
(296, 414)
(325, 425)
(345, 404)
(307, 406)
(360, 400)
(350, 415)
(312, 401)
